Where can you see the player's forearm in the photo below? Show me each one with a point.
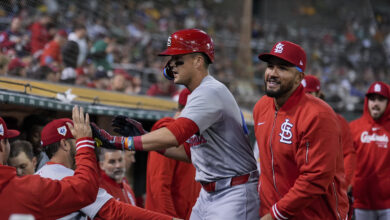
(158, 140)
(177, 153)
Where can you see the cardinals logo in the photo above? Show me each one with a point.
(279, 48)
(286, 134)
(169, 42)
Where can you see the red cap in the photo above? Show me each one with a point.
(379, 88)
(183, 96)
(124, 73)
(5, 133)
(288, 51)
(55, 131)
(311, 83)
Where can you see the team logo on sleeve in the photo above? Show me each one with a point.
(62, 130)
(286, 134)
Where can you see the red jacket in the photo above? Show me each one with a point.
(349, 151)
(301, 159)
(51, 53)
(39, 37)
(121, 192)
(49, 199)
(371, 182)
(170, 184)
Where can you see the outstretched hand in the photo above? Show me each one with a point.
(80, 127)
(127, 127)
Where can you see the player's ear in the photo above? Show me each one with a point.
(34, 161)
(64, 145)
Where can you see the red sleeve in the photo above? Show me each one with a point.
(160, 174)
(74, 192)
(183, 128)
(118, 210)
(317, 169)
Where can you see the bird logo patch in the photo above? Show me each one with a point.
(286, 134)
(62, 130)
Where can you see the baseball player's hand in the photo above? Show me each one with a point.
(267, 217)
(80, 127)
(104, 139)
(127, 127)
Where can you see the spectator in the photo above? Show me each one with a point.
(69, 53)
(22, 158)
(162, 87)
(14, 38)
(122, 82)
(39, 34)
(112, 163)
(100, 50)
(79, 36)
(16, 67)
(51, 54)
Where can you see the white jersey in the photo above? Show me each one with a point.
(222, 148)
(58, 172)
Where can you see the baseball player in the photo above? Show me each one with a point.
(301, 160)
(371, 132)
(58, 142)
(213, 126)
(44, 198)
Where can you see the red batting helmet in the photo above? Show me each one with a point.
(189, 41)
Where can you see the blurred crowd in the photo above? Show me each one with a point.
(112, 45)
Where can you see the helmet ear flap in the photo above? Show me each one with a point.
(168, 73)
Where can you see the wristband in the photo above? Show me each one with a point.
(133, 143)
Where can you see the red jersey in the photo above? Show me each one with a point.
(120, 191)
(301, 159)
(371, 182)
(50, 199)
(51, 53)
(39, 37)
(170, 184)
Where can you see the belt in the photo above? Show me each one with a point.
(237, 180)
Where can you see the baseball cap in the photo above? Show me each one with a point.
(379, 88)
(56, 130)
(183, 96)
(311, 83)
(6, 133)
(288, 51)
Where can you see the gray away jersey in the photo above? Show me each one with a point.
(222, 149)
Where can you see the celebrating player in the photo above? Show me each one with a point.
(301, 157)
(213, 126)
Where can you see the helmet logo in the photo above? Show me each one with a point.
(377, 88)
(279, 48)
(169, 41)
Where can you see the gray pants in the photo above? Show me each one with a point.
(364, 214)
(239, 202)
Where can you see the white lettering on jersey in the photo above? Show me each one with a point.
(381, 140)
(286, 134)
(196, 140)
(279, 48)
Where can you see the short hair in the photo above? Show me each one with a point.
(19, 146)
(102, 152)
(51, 149)
(206, 59)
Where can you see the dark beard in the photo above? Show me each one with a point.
(283, 90)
